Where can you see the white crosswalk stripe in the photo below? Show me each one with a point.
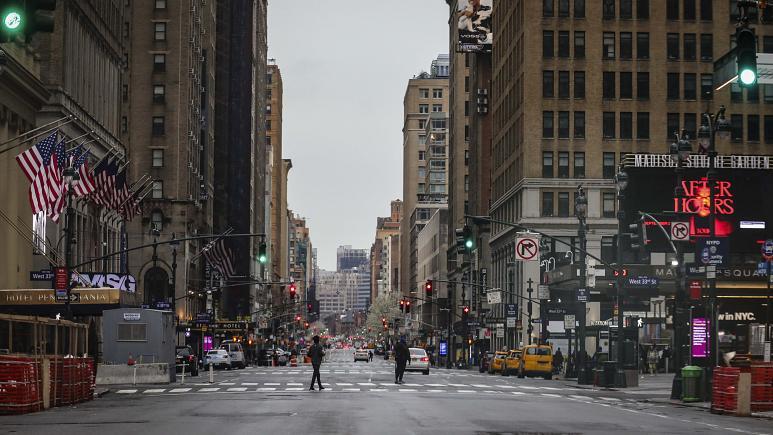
(154, 390)
(180, 390)
(208, 390)
(237, 389)
(126, 391)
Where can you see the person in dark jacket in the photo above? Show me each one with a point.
(316, 352)
(402, 355)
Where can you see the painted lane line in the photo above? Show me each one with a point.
(465, 391)
(506, 386)
(549, 395)
(237, 389)
(457, 385)
(480, 386)
(366, 384)
(180, 390)
(528, 387)
(406, 389)
(227, 383)
(208, 390)
(154, 390)
(491, 391)
(435, 385)
(517, 393)
(343, 383)
(272, 383)
(267, 389)
(294, 383)
(294, 389)
(610, 399)
(250, 384)
(378, 390)
(351, 389)
(574, 396)
(436, 391)
(126, 391)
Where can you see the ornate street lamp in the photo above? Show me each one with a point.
(581, 212)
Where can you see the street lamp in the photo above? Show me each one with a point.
(581, 211)
(70, 176)
(621, 181)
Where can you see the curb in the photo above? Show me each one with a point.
(99, 392)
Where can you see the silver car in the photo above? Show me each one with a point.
(218, 358)
(419, 361)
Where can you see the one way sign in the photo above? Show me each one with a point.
(527, 248)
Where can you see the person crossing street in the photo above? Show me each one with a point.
(402, 355)
(316, 353)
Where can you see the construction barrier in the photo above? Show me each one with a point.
(724, 393)
(762, 387)
(72, 380)
(20, 382)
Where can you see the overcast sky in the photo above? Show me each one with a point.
(345, 70)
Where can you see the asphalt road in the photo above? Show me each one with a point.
(361, 398)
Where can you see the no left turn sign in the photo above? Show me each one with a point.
(527, 249)
(680, 231)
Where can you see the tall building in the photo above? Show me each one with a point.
(356, 262)
(240, 150)
(574, 89)
(381, 252)
(425, 143)
(167, 124)
(278, 178)
(432, 242)
(300, 256)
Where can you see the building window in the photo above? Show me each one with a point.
(547, 8)
(707, 46)
(159, 93)
(563, 125)
(159, 62)
(158, 190)
(688, 10)
(608, 126)
(422, 124)
(124, 124)
(547, 164)
(626, 85)
(643, 125)
(159, 31)
(563, 84)
(579, 84)
(579, 165)
(736, 93)
(547, 84)
(767, 93)
(706, 10)
(563, 8)
(437, 93)
(563, 164)
(608, 45)
(608, 205)
(563, 204)
(672, 86)
(608, 9)
(423, 93)
(579, 8)
(132, 332)
(158, 126)
(626, 45)
(608, 252)
(158, 158)
(608, 165)
(423, 108)
(672, 46)
(643, 85)
(160, 4)
(579, 125)
(626, 9)
(547, 124)
(579, 45)
(643, 45)
(437, 108)
(626, 125)
(736, 128)
(753, 94)
(157, 220)
(563, 43)
(672, 125)
(608, 85)
(768, 129)
(690, 126)
(643, 9)
(707, 86)
(690, 86)
(672, 9)
(547, 203)
(547, 44)
(689, 46)
(422, 155)
(422, 139)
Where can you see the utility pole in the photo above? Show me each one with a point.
(621, 179)
(529, 310)
(581, 211)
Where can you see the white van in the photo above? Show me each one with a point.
(235, 351)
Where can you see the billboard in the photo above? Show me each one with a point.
(474, 24)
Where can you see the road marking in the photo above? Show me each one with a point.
(267, 389)
(379, 390)
(154, 390)
(465, 391)
(251, 384)
(435, 385)
(574, 396)
(479, 386)
(272, 383)
(180, 390)
(227, 383)
(490, 391)
(351, 389)
(406, 389)
(611, 399)
(208, 390)
(294, 389)
(366, 383)
(528, 387)
(457, 385)
(506, 386)
(294, 383)
(552, 388)
(517, 393)
(436, 391)
(237, 389)
(126, 391)
(412, 385)
(549, 395)
(343, 383)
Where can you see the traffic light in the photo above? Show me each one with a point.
(469, 340)
(746, 56)
(407, 307)
(309, 308)
(297, 317)
(293, 290)
(306, 325)
(620, 272)
(262, 256)
(465, 311)
(428, 288)
(14, 20)
(402, 305)
(469, 243)
(638, 236)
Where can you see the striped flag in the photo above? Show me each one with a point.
(120, 192)
(85, 184)
(58, 186)
(104, 182)
(220, 257)
(31, 160)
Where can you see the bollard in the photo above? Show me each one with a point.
(211, 374)
(182, 379)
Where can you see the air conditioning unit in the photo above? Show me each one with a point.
(191, 71)
(190, 134)
(190, 197)
(190, 165)
(482, 100)
(201, 178)
(482, 91)
(203, 31)
(483, 109)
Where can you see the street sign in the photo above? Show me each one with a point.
(74, 297)
(60, 280)
(582, 295)
(700, 337)
(511, 311)
(494, 297)
(569, 321)
(41, 275)
(500, 331)
(712, 251)
(510, 321)
(592, 280)
(696, 289)
(711, 272)
(680, 231)
(543, 292)
(767, 249)
(641, 281)
(527, 248)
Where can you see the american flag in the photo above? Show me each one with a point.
(37, 156)
(58, 185)
(104, 182)
(85, 184)
(220, 257)
(120, 192)
(99, 176)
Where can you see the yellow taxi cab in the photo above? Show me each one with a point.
(497, 363)
(512, 363)
(536, 360)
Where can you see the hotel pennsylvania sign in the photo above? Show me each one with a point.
(88, 296)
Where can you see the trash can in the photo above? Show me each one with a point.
(691, 377)
(610, 367)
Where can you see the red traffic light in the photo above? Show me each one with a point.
(428, 287)
(306, 324)
(297, 317)
(466, 309)
(620, 272)
(293, 290)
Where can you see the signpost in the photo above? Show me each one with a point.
(60, 283)
(494, 297)
(700, 337)
(582, 295)
(527, 248)
(543, 292)
(569, 321)
(680, 231)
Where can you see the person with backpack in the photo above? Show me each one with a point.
(316, 353)
(402, 355)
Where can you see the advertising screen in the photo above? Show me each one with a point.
(700, 337)
(474, 24)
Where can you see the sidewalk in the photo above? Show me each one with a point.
(648, 384)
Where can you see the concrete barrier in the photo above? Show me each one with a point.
(156, 373)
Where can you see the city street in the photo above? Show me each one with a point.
(362, 398)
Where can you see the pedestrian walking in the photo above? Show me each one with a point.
(402, 355)
(316, 353)
(558, 361)
(370, 356)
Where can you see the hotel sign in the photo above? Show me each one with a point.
(88, 296)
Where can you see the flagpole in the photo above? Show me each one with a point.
(33, 137)
(76, 138)
(36, 129)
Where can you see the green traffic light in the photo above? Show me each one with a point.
(12, 20)
(468, 244)
(262, 259)
(748, 76)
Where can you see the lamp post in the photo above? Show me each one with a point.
(70, 175)
(581, 211)
(621, 180)
(174, 245)
(680, 151)
(714, 125)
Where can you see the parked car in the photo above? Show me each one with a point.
(379, 350)
(419, 361)
(512, 363)
(497, 363)
(219, 358)
(184, 357)
(536, 360)
(235, 351)
(361, 355)
(485, 362)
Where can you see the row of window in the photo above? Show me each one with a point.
(565, 207)
(737, 124)
(689, 92)
(607, 164)
(609, 125)
(549, 84)
(424, 108)
(689, 46)
(548, 125)
(624, 41)
(549, 8)
(436, 93)
(609, 85)
(688, 10)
